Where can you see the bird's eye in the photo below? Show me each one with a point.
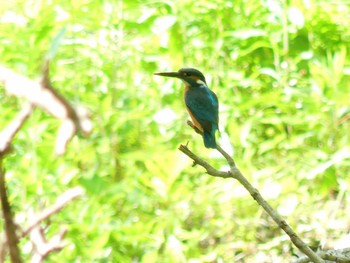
(186, 74)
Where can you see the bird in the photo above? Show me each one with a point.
(201, 103)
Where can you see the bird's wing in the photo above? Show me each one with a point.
(204, 105)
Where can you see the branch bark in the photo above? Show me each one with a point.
(42, 246)
(10, 227)
(43, 95)
(36, 234)
(236, 174)
(336, 255)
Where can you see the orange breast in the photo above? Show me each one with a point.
(194, 120)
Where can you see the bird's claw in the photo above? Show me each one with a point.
(194, 127)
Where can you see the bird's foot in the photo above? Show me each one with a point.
(194, 127)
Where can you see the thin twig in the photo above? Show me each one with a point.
(228, 158)
(9, 132)
(61, 201)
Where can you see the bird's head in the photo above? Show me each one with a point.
(190, 76)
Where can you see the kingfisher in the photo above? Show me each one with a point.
(201, 103)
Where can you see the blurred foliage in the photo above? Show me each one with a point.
(281, 70)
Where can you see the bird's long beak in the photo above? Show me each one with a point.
(169, 74)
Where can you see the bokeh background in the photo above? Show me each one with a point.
(281, 70)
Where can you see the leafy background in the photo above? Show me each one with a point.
(281, 70)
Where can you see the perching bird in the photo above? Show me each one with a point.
(202, 104)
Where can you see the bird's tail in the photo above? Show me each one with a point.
(209, 139)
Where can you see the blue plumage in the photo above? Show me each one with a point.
(202, 104)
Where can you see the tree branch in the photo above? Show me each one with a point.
(210, 169)
(10, 227)
(43, 95)
(236, 174)
(43, 247)
(336, 255)
(61, 202)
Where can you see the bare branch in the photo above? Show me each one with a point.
(61, 201)
(43, 95)
(236, 173)
(42, 247)
(38, 237)
(197, 160)
(336, 255)
(34, 92)
(228, 158)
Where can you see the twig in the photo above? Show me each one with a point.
(10, 227)
(336, 255)
(7, 134)
(61, 201)
(56, 243)
(210, 169)
(228, 158)
(236, 174)
(43, 247)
